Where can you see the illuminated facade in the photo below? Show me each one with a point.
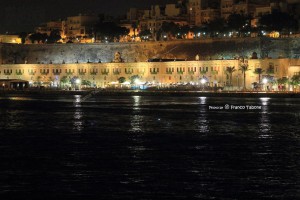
(50, 26)
(194, 12)
(13, 39)
(79, 27)
(159, 73)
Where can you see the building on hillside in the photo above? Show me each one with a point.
(152, 19)
(244, 7)
(134, 14)
(79, 28)
(131, 14)
(209, 14)
(133, 18)
(154, 25)
(14, 39)
(226, 8)
(194, 12)
(172, 10)
(260, 11)
(50, 26)
(279, 5)
(157, 11)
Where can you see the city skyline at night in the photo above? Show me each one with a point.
(17, 16)
(24, 15)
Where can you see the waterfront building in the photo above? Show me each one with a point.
(163, 74)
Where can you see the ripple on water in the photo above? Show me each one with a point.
(149, 148)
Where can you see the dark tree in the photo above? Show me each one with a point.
(278, 21)
(145, 34)
(86, 83)
(54, 36)
(237, 22)
(183, 30)
(199, 29)
(23, 36)
(229, 71)
(259, 71)
(170, 28)
(109, 30)
(39, 37)
(216, 26)
(121, 80)
(134, 25)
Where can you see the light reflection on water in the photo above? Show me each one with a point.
(264, 100)
(136, 119)
(78, 122)
(139, 144)
(202, 121)
(20, 98)
(265, 126)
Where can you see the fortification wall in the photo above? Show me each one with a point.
(140, 52)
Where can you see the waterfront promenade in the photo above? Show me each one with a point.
(119, 92)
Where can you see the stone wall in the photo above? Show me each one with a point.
(141, 52)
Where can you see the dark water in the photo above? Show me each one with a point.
(149, 148)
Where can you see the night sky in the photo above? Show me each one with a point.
(24, 15)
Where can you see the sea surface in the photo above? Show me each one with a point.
(149, 147)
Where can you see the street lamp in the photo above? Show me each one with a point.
(265, 81)
(203, 82)
(77, 83)
(137, 82)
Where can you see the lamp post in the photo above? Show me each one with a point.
(203, 82)
(265, 81)
(137, 83)
(77, 83)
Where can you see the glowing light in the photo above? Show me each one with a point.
(78, 81)
(203, 81)
(265, 101)
(265, 80)
(137, 81)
